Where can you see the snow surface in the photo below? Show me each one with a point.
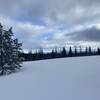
(59, 79)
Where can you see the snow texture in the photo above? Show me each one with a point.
(59, 79)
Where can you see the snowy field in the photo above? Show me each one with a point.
(59, 79)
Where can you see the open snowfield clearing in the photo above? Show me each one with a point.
(59, 79)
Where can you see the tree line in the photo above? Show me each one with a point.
(55, 53)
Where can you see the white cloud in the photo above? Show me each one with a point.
(25, 31)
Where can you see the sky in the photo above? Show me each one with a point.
(52, 23)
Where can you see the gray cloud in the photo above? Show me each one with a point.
(89, 34)
(32, 18)
(62, 11)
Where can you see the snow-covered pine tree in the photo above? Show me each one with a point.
(9, 52)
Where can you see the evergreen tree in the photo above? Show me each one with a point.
(53, 54)
(40, 53)
(9, 52)
(70, 52)
(98, 50)
(64, 52)
(75, 52)
(80, 51)
(90, 51)
(86, 51)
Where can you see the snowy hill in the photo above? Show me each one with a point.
(60, 79)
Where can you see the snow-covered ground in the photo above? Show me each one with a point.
(59, 79)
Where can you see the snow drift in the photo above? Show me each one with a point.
(59, 79)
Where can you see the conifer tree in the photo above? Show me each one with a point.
(75, 51)
(9, 52)
(86, 51)
(80, 51)
(98, 50)
(70, 52)
(90, 51)
(64, 54)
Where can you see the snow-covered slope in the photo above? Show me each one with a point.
(60, 79)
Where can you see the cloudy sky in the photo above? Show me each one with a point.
(49, 23)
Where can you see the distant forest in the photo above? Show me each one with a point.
(55, 53)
